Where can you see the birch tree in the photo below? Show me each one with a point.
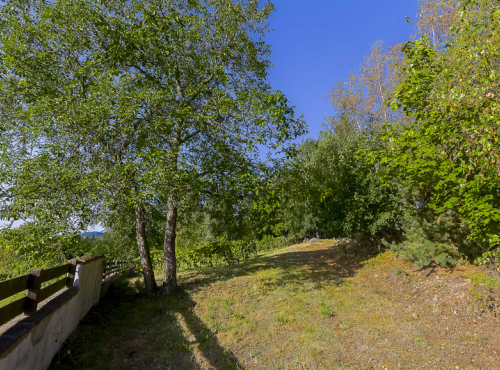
(134, 102)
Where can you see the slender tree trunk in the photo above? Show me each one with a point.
(170, 276)
(147, 266)
(170, 262)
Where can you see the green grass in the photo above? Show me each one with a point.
(305, 307)
(325, 310)
(12, 298)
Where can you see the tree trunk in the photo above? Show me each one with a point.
(147, 267)
(170, 276)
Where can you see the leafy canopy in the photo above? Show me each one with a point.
(108, 105)
(452, 93)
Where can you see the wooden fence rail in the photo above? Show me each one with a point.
(38, 289)
(33, 282)
(114, 267)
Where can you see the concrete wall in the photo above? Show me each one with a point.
(30, 343)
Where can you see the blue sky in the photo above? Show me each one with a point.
(318, 42)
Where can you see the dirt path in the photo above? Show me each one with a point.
(309, 306)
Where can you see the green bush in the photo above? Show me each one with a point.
(7, 262)
(228, 252)
(338, 191)
(30, 247)
(424, 247)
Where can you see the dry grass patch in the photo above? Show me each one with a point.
(308, 306)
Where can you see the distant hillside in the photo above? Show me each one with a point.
(92, 234)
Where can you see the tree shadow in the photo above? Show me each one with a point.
(207, 343)
(130, 330)
(328, 264)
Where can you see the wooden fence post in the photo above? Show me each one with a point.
(34, 286)
(71, 273)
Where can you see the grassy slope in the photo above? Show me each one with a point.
(308, 306)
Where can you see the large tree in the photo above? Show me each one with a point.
(360, 102)
(451, 91)
(135, 102)
(435, 17)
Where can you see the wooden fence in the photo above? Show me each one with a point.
(36, 293)
(114, 267)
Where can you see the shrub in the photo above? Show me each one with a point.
(228, 252)
(424, 247)
(30, 247)
(339, 191)
(7, 262)
(491, 260)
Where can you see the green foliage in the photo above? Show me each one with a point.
(480, 279)
(340, 193)
(400, 271)
(425, 246)
(420, 341)
(450, 153)
(228, 252)
(8, 264)
(324, 310)
(485, 289)
(491, 259)
(30, 247)
(112, 245)
(112, 106)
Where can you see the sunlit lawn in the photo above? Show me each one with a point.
(309, 306)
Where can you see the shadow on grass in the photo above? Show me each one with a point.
(327, 265)
(216, 355)
(129, 330)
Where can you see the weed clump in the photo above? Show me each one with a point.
(280, 319)
(324, 310)
(401, 271)
(485, 291)
(419, 341)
